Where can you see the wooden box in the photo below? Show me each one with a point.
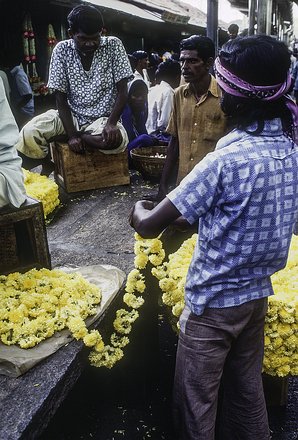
(80, 172)
(23, 238)
(275, 390)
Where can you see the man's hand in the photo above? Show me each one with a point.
(112, 136)
(75, 143)
(140, 206)
(149, 219)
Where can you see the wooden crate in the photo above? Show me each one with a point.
(23, 238)
(80, 172)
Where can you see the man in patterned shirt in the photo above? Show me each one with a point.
(89, 75)
(245, 195)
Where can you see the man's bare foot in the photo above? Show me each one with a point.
(93, 142)
(47, 168)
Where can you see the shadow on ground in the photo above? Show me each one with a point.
(123, 404)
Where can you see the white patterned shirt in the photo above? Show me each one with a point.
(246, 196)
(160, 104)
(91, 94)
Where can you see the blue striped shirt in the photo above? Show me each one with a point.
(245, 194)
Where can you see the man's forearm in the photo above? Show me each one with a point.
(65, 114)
(171, 163)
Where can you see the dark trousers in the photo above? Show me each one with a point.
(221, 346)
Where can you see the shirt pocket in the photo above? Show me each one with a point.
(213, 127)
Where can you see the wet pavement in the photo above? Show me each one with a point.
(133, 400)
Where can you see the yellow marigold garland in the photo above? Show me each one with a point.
(281, 329)
(145, 251)
(43, 189)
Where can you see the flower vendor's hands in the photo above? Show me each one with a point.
(149, 220)
(76, 144)
(112, 135)
(140, 205)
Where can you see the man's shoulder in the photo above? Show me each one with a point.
(181, 91)
(161, 88)
(64, 47)
(110, 41)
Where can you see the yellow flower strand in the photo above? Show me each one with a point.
(145, 251)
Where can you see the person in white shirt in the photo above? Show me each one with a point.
(160, 98)
(12, 189)
(142, 63)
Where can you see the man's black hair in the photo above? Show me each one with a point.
(140, 54)
(203, 45)
(233, 28)
(168, 69)
(259, 60)
(133, 61)
(85, 18)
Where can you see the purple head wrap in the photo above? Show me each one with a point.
(236, 86)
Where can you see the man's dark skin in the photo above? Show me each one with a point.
(111, 137)
(196, 72)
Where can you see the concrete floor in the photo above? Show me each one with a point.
(125, 402)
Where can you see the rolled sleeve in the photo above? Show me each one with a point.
(172, 125)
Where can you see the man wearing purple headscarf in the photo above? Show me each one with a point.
(245, 196)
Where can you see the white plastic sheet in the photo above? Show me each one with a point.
(15, 361)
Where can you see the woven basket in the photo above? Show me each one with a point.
(145, 161)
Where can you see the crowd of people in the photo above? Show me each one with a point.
(233, 157)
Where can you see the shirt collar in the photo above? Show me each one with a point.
(212, 89)
(103, 42)
(271, 128)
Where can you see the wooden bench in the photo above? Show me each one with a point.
(80, 172)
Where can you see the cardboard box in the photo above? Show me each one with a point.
(80, 172)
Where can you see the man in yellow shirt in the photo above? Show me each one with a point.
(197, 121)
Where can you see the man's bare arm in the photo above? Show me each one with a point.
(170, 167)
(74, 139)
(111, 133)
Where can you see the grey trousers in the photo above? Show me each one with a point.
(221, 346)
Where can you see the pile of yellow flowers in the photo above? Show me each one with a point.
(43, 189)
(281, 329)
(35, 305)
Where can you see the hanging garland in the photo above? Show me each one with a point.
(52, 40)
(29, 49)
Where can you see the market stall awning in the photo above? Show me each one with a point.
(127, 8)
